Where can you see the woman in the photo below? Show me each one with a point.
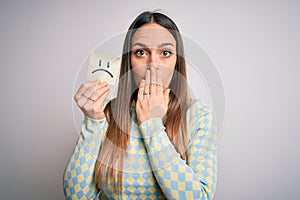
(151, 141)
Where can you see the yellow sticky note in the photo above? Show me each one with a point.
(103, 67)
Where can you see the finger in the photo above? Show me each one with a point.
(153, 81)
(95, 105)
(141, 90)
(167, 95)
(99, 90)
(83, 88)
(99, 101)
(90, 92)
(88, 97)
(147, 82)
(98, 93)
(81, 101)
(159, 85)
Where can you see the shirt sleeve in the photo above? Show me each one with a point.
(78, 178)
(178, 179)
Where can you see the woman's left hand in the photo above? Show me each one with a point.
(152, 100)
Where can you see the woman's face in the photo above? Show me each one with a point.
(152, 44)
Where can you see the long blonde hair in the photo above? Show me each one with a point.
(112, 154)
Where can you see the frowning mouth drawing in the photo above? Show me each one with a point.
(108, 64)
(111, 75)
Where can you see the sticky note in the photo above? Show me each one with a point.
(104, 68)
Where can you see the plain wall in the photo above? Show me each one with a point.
(254, 45)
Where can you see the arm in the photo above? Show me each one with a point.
(78, 178)
(178, 180)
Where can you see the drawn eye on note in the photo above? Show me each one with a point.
(104, 68)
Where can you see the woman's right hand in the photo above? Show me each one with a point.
(90, 97)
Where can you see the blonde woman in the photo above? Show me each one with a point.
(152, 141)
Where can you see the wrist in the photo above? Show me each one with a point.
(143, 120)
(95, 118)
(151, 127)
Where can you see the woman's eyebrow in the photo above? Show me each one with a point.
(159, 46)
(139, 44)
(165, 44)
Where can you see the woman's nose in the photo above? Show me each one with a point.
(154, 59)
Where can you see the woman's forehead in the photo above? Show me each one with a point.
(153, 35)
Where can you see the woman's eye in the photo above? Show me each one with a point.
(166, 53)
(140, 53)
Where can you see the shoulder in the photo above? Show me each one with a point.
(202, 125)
(200, 116)
(198, 107)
